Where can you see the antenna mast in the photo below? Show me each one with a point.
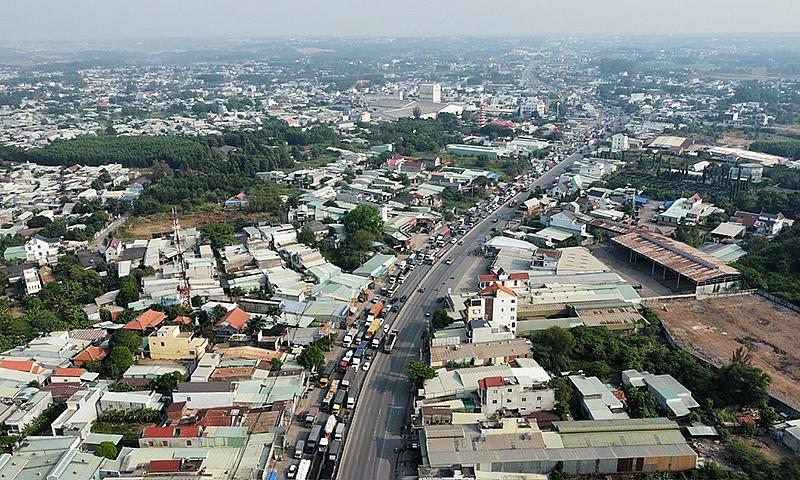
(184, 289)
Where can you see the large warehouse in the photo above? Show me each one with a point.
(671, 259)
(582, 447)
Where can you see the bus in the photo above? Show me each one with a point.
(313, 439)
(328, 400)
(325, 378)
(338, 401)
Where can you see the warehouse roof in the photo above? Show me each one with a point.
(502, 348)
(685, 260)
(470, 444)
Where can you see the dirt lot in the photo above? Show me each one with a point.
(734, 140)
(145, 227)
(713, 328)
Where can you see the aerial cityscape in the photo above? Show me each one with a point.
(431, 241)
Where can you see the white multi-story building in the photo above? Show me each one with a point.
(430, 92)
(32, 282)
(509, 394)
(499, 305)
(619, 142)
(39, 248)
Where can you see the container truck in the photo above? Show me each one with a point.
(325, 378)
(313, 439)
(303, 470)
(347, 341)
(373, 327)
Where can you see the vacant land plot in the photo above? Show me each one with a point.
(161, 223)
(713, 328)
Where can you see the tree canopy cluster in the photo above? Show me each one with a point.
(597, 351)
(363, 226)
(773, 265)
(415, 136)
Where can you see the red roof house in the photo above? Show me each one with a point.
(146, 321)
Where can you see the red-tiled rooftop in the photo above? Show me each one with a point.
(171, 432)
(69, 372)
(28, 366)
(494, 288)
(490, 382)
(90, 354)
(147, 320)
(164, 466)
(236, 319)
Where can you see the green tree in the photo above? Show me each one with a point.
(306, 237)
(256, 323)
(419, 371)
(740, 384)
(311, 357)
(118, 361)
(364, 217)
(128, 291)
(554, 347)
(218, 234)
(276, 364)
(125, 338)
(167, 383)
(640, 403)
(441, 319)
(106, 450)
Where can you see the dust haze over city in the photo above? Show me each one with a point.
(352, 240)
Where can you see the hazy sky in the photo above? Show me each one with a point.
(121, 19)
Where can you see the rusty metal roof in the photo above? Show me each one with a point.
(683, 259)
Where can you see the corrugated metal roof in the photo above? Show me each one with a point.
(688, 261)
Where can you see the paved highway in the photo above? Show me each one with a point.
(381, 409)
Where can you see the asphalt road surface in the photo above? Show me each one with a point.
(381, 408)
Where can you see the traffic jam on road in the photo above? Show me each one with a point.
(374, 332)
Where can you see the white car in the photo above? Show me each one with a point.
(366, 365)
(386, 328)
(292, 471)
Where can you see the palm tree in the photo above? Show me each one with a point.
(256, 324)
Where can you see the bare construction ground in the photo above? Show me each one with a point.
(712, 329)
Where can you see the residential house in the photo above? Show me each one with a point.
(72, 375)
(33, 403)
(114, 401)
(507, 394)
(670, 396)
(169, 343)
(148, 320)
(80, 413)
(113, 250)
(598, 402)
(40, 248)
(499, 305)
(176, 436)
(484, 353)
(33, 283)
(237, 201)
(232, 323)
(201, 395)
(692, 211)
